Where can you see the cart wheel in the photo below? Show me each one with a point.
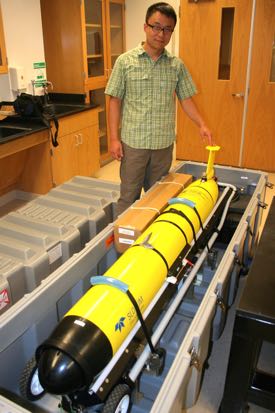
(29, 385)
(119, 400)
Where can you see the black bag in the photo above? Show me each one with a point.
(29, 106)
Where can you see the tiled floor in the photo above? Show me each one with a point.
(110, 172)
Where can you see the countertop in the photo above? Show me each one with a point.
(60, 104)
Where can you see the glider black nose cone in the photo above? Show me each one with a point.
(58, 373)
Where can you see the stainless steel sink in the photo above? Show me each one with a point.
(8, 130)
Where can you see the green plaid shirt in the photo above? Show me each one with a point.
(147, 89)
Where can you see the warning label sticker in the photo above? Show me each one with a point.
(4, 298)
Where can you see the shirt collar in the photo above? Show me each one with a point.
(141, 51)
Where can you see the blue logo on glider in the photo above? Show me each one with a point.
(120, 324)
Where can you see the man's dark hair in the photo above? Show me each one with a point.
(163, 8)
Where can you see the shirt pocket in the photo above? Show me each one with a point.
(138, 85)
(164, 93)
(166, 82)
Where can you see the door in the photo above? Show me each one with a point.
(259, 148)
(214, 39)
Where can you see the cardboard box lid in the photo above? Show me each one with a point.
(184, 179)
(158, 196)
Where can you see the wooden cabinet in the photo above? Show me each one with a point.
(98, 97)
(3, 56)
(32, 164)
(82, 42)
(26, 164)
(78, 149)
(104, 35)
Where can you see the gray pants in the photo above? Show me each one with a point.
(141, 168)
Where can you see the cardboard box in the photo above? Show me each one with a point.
(129, 226)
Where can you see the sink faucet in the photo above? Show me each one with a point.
(45, 86)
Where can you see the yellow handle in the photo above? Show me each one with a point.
(210, 163)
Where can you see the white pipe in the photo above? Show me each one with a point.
(138, 366)
(247, 85)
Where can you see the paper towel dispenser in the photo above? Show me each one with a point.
(17, 78)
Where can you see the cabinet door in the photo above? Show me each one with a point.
(76, 154)
(98, 97)
(65, 158)
(3, 57)
(115, 31)
(88, 151)
(95, 32)
(63, 45)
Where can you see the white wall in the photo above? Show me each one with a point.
(24, 40)
(135, 19)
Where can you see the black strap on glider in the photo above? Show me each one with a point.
(172, 223)
(149, 246)
(182, 214)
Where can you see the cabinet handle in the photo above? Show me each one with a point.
(80, 136)
(77, 143)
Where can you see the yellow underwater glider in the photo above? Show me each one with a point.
(91, 332)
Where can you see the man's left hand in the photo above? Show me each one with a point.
(206, 135)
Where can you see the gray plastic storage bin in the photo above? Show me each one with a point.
(86, 203)
(20, 235)
(48, 230)
(103, 191)
(39, 212)
(34, 259)
(197, 316)
(59, 243)
(13, 285)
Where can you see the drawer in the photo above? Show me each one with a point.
(78, 121)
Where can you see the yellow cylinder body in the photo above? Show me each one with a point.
(142, 269)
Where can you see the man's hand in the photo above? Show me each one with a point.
(114, 119)
(206, 135)
(189, 107)
(116, 149)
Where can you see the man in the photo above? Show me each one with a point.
(142, 89)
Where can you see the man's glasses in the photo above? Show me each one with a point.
(158, 29)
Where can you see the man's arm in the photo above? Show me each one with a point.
(114, 120)
(189, 107)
